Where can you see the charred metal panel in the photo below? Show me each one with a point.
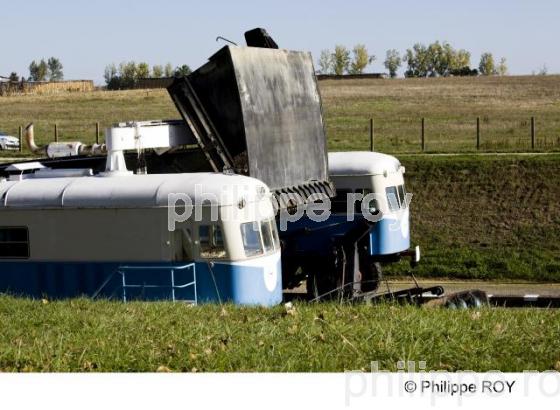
(200, 125)
(266, 108)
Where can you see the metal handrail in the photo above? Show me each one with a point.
(131, 268)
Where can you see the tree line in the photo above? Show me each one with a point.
(49, 70)
(434, 60)
(127, 74)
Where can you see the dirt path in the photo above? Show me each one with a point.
(492, 288)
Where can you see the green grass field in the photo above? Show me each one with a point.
(450, 106)
(81, 335)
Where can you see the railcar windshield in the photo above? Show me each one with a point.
(251, 239)
(402, 196)
(392, 198)
(260, 238)
(396, 197)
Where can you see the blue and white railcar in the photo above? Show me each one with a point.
(348, 247)
(383, 175)
(109, 236)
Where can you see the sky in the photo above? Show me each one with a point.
(88, 35)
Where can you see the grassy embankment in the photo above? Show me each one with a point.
(486, 217)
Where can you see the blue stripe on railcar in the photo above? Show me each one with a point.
(230, 282)
(389, 236)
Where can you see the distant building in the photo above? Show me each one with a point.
(145, 83)
(351, 76)
(43, 87)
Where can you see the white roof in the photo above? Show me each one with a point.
(25, 166)
(133, 191)
(361, 163)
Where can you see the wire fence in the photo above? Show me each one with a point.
(47, 132)
(432, 135)
(393, 135)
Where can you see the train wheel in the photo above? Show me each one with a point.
(371, 275)
(321, 286)
(312, 286)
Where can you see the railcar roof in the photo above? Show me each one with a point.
(361, 163)
(133, 191)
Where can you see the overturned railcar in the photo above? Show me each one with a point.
(197, 237)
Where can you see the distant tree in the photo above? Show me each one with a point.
(43, 70)
(360, 60)
(110, 72)
(112, 78)
(449, 60)
(326, 62)
(168, 70)
(38, 71)
(33, 68)
(14, 78)
(55, 72)
(461, 59)
(436, 59)
(542, 71)
(142, 71)
(127, 74)
(182, 71)
(417, 59)
(502, 67)
(341, 60)
(486, 65)
(392, 62)
(157, 71)
(464, 72)
(442, 59)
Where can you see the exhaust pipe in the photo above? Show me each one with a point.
(62, 149)
(30, 139)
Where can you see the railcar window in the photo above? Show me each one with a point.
(338, 204)
(402, 198)
(211, 242)
(14, 243)
(266, 232)
(274, 231)
(392, 198)
(251, 238)
(187, 243)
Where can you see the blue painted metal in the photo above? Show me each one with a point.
(223, 282)
(388, 236)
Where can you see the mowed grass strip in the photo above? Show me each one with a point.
(102, 336)
(450, 106)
